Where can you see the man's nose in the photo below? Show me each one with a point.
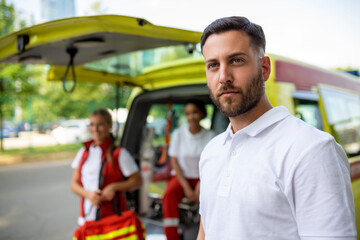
(225, 74)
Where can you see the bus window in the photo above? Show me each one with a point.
(309, 112)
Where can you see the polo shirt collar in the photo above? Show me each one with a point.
(263, 122)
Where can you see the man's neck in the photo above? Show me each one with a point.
(241, 121)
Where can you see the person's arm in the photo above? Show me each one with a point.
(94, 197)
(189, 192)
(133, 182)
(201, 233)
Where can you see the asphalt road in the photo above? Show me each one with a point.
(36, 203)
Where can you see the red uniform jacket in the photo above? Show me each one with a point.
(111, 173)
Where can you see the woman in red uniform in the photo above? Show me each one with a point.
(119, 170)
(185, 148)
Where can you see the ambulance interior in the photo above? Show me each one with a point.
(153, 116)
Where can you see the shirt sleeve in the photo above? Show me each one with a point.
(76, 162)
(127, 163)
(174, 148)
(322, 195)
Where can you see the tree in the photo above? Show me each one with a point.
(16, 81)
(7, 15)
(78, 104)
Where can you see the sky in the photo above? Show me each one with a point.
(324, 33)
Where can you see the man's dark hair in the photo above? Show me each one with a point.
(254, 31)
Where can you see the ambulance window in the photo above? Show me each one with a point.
(343, 114)
(340, 106)
(309, 112)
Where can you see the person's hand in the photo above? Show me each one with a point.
(95, 197)
(190, 194)
(108, 193)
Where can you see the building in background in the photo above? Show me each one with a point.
(56, 9)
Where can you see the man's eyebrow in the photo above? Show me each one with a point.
(210, 60)
(230, 56)
(237, 54)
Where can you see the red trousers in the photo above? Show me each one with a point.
(174, 192)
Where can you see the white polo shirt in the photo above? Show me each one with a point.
(187, 147)
(90, 173)
(277, 179)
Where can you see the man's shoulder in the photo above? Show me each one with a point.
(300, 135)
(302, 129)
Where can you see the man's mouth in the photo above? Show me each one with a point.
(228, 93)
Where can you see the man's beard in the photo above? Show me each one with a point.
(250, 96)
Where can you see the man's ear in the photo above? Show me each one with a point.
(266, 67)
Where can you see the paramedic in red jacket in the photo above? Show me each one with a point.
(120, 172)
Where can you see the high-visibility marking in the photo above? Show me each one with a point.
(114, 234)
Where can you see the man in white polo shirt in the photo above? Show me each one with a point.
(269, 175)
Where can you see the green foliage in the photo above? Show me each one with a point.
(47, 149)
(53, 103)
(15, 80)
(7, 14)
(175, 53)
(42, 101)
(18, 82)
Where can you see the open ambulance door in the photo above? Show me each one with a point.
(103, 48)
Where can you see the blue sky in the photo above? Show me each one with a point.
(324, 33)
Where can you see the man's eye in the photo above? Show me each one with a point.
(212, 65)
(237, 60)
